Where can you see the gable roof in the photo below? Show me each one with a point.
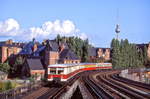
(35, 64)
(68, 54)
(28, 49)
(39, 49)
(53, 45)
(93, 50)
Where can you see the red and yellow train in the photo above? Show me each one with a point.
(63, 72)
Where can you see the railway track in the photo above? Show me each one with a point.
(139, 85)
(107, 85)
(122, 88)
(134, 91)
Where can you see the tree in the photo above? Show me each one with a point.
(115, 47)
(85, 51)
(145, 56)
(5, 67)
(126, 55)
(19, 61)
(18, 64)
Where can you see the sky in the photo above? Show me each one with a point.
(23, 20)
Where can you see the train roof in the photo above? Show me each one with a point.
(70, 65)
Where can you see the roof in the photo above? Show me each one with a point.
(141, 46)
(74, 64)
(65, 44)
(68, 54)
(28, 49)
(39, 49)
(35, 64)
(53, 45)
(3, 43)
(93, 50)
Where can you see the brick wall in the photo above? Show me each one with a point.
(51, 57)
(4, 54)
(107, 54)
(7, 52)
(100, 52)
(71, 61)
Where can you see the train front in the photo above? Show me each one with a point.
(55, 73)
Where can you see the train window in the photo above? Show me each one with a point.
(52, 70)
(60, 70)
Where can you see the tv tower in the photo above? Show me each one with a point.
(117, 29)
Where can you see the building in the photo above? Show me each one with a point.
(33, 67)
(59, 53)
(51, 52)
(99, 54)
(9, 49)
(66, 56)
(141, 46)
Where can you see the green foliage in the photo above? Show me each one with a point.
(7, 85)
(18, 64)
(77, 45)
(32, 78)
(85, 51)
(126, 55)
(145, 56)
(19, 61)
(5, 67)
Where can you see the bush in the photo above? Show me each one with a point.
(8, 85)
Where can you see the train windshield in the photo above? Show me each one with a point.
(56, 70)
(60, 70)
(52, 70)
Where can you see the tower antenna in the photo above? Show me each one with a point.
(117, 29)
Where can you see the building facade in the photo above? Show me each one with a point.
(141, 46)
(8, 49)
(99, 54)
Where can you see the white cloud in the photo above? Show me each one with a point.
(83, 36)
(10, 27)
(48, 29)
(68, 27)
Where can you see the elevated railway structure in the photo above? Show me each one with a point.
(101, 81)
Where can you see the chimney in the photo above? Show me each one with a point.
(62, 47)
(44, 42)
(34, 47)
(10, 41)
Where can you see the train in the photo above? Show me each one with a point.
(63, 72)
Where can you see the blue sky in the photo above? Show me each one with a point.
(94, 19)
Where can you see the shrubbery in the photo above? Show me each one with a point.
(7, 85)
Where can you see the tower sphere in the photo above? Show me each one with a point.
(117, 30)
